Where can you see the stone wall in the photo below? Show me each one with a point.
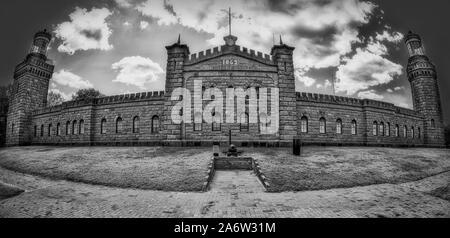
(146, 118)
(142, 106)
(365, 113)
(3, 117)
(28, 93)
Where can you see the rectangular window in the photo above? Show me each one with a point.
(197, 126)
(381, 129)
(388, 129)
(216, 126)
(354, 128)
(304, 125)
(322, 126)
(339, 127)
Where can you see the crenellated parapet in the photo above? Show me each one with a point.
(123, 98)
(324, 98)
(131, 97)
(348, 101)
(406, 111)
(224, 49)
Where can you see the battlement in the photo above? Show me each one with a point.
(406, 111)
(130, 97)
(133, 97)
(324, 98)
(224, 49)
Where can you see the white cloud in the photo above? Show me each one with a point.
(321, 31)
(65, 96)
(394, 37)
(69, 79)
(377, 48)
(143, 25)
(365, 70)
(307, 81)
(390, 90)
(123, 3)
(398, 88)
(86, 30)
(137, 71)
(325, 85)
(370, 94)
(158, 9)
(126, 23)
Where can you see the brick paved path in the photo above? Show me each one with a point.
(233, 194)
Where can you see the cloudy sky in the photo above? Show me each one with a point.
(117, 46)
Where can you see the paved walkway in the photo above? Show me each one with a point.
(233, 194)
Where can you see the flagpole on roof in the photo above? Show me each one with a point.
(229, 20)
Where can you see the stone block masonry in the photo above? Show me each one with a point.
(146, 118)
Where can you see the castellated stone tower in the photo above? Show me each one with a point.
(425, 91)
(282, 55)
(176, 56)
(29, 90)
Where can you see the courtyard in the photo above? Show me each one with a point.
(167, 182)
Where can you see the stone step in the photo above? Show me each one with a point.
(235, 182)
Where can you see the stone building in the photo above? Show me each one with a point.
(3, 114)
(147, 118)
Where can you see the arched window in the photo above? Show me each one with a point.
(119, 125)
(35, 131)
(42, 130)
(397, 131)
(338, 126)
(198, 121)
(103, 126)
(381, 129)
(68, 128)
(216, 125)
(412, 132)
(322, 125)
(388, 129)
(136, 124)
(304, 124)
(155, 125)
(432, 123)
(58, 129)
(375, 128)
(49, 133)
(244, 122)
(405, 131)
(74, 127)
(354, 127)
(81, 127)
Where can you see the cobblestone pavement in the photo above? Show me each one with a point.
(232, 194)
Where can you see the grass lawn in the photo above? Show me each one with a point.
(340, 167)
(442, 192)
(153, 168)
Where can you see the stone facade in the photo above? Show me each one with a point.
(29, 90)
(146, 118)
(3, 114)
(425, 91)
